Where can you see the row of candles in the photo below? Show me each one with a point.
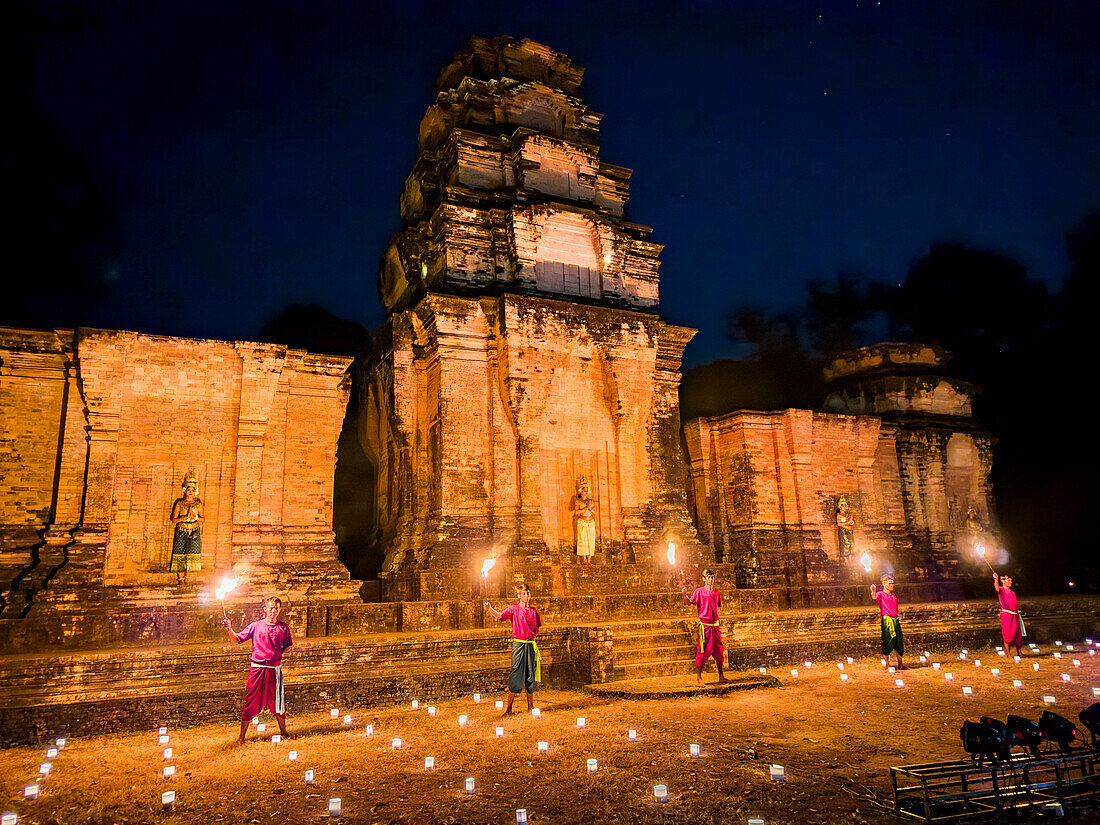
(963, 655)
(33, 789)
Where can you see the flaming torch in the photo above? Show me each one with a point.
(865, 559)
(671, 555)
(981, 555)
(486, 566)
(228, 585)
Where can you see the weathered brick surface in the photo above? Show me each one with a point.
(99, 428)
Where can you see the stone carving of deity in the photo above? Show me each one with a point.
(845, 529)
(187, 536)
(975, 532)
(584, 521)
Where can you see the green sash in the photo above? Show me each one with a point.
(702, 633)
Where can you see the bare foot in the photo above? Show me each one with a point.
(724, 681)
(901, 666)
(507, 713)
(240, 741)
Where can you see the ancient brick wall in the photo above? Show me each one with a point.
(99, 428)
(766, 488)
(505, 404)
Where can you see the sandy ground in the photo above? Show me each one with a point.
(836, 741)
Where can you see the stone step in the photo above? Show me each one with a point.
(671, 667)
(664, 653)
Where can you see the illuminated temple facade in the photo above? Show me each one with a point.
(522, 354)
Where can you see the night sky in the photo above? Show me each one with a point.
(252, 154)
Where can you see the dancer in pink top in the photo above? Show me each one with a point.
(1012, 623)
(708, 641)
(891, 623)
(270, 638)
(526, 659)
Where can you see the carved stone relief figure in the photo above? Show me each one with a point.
(845, 529)
(584, 521)
(975, 532)
(187, 537)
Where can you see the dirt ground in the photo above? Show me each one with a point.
(836, 741)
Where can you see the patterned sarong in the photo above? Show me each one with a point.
(526, 666)
(186, 550)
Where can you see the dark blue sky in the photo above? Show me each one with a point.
(254, 153)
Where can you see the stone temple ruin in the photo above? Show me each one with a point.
(523, 357)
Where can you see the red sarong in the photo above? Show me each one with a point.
(260, 691)
(711, 645)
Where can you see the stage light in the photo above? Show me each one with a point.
(1058, 729)
(1090, 718)
(982, 741)
(1025, 733)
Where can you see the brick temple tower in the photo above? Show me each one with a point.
(522, 353)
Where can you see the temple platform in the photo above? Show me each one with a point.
(133, 687)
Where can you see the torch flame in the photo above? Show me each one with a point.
(980, 550)
(486, 566)
(228, 585)
(671, 553)
(866, 559)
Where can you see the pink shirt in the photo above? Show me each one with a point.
(525, 621)
(708, 602)
(1008, 599)
(268, 641)
(887, 603)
